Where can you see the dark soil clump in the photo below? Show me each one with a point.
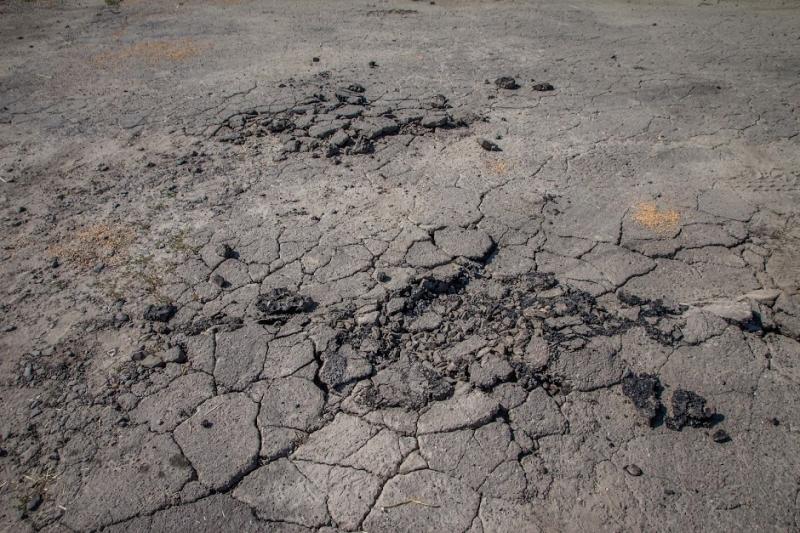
(644, 391)
(689, 409)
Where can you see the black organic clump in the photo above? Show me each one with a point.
(506, 82)
(689, 409)
(160, 313)
(644, 391)
(277, 304)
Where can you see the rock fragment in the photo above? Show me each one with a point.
(436, 120)
(633, 470)
(488, 145)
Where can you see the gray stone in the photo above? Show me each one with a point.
(735, 312)
(377, 127)
(489, 371)
(472, 244)
(436, 120)
(469, 410)
(173, 355)
(762, 296)
(425, 254)
(325, 129)
(151, 361)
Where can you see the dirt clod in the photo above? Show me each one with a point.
(488, 145)
(160, 313)
(644, 391)
(689, 409)
(282, 301)
(721, 436)
(542, 87)
(506, 82)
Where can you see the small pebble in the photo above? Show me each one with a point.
(488, 145)
(721, 436)
(633, 470)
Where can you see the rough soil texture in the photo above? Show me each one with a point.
(470, 266)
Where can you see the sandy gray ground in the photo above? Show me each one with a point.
(246, 289)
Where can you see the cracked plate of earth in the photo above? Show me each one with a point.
(468, 266)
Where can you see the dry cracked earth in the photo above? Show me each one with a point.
(469, 266)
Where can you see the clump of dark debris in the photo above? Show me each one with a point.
(160, 313)
(689, 409)
(506, 82)
(542, 87)
(488, 145)
(279, 304)
(644, 391)
(333, 120)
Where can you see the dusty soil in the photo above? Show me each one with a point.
(472, 266)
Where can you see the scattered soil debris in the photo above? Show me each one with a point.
(689, 409)
(341, 119)
(384, 12)
(457, 326)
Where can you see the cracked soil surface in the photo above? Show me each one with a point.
(469, 266)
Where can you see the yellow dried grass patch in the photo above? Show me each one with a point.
(648, 214)
(152, 52)
(497, 167)
(94, 244)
